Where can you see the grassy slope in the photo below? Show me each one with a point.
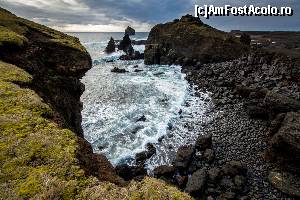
(37, 157)
(13, 31)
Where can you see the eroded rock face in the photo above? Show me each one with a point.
(56, 62)
(188, 40)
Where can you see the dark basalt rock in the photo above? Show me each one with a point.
(209, 155)
(183, 157)
(164, 171)
(285, 144)
(129, 31)
(131, 172)
(196, 183)
(191, 40)
(118, 70)
(285, 182)
(139, 42)
(132, 56)
(125, 44)
(143, 156)
(142, 119)
(111, 46)
(204, 142)
(234, 168)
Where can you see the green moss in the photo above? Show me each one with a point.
(34, 151)
(13, 74)
(38, 159)
(17, 28)
(12, 39)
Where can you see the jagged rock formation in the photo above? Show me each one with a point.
(188, 41)
(40, 158)
(129, 31)
(111, 46)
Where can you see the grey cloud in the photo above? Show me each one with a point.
(118, 13)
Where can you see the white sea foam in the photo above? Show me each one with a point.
(113, 103)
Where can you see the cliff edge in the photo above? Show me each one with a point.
(42, 151)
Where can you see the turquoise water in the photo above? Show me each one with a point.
(114, 103)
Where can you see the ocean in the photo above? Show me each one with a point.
(113, 105)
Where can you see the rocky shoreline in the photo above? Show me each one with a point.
(256, 99)
(242, 128)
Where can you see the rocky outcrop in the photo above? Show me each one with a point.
(111, 46)
(285, 144)
(188, 41)
(129, 31)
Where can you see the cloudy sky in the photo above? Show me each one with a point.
(115, 15)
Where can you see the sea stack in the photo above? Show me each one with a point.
(129, 31)
(111, 46)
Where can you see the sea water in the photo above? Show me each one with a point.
(114, 104)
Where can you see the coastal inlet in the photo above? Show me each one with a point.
(123, 112)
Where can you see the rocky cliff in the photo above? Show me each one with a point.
(42, 152)
(189, 41)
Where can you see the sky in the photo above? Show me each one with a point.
(116, 15)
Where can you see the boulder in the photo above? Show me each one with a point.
(234, 168)
(196, 182)
(129, 31)
(284, 146)
(285, 182)
(118, 70)
(278, 103)
(214, 174)
(184, 156)
(143, 156)
(209, 155)
(164, 171)
(141, 119)
(130, 172)
(191, 39)
(204, 142)
(111, 46)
